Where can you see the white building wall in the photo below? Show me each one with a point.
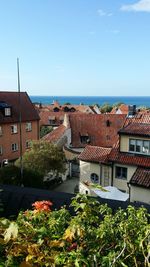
(122, 183)
(86, 168)
(139, 194)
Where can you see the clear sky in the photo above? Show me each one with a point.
(76, 47)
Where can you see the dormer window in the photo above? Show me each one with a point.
(7, 112)
(139, 146)
(52, 120)
(56, 109)
(84, 138)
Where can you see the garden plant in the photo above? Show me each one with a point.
(91, 236)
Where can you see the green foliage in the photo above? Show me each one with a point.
(106, 108)
(92, 237)
(11, 175)
(67, 103)
(42, 158)
(45, 130)
(117, 105)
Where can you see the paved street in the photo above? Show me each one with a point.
(68, 186)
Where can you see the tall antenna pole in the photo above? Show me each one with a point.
(20, 120)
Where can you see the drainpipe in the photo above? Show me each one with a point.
(129, 191)
(100, 174)
(112, 174)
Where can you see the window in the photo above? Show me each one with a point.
(121, 172)
(84, 138)
(1, 150)
(146, 147)
(28, 126)
(139, 146)
(14, 147)
(94, 178)
(7, 112)
(28, 143)
(1, 130)
(14, 129)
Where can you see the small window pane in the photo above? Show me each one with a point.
(132, 145)
(139, 144)
(94, 178)
(1, 130)
(146, 147)
(7, 111)
(121, 173)
(28, 126)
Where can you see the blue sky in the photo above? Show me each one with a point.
(76, 47)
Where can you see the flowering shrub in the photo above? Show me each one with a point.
(42, 205)
(93, 237)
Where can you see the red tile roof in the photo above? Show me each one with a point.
(141, 177)
(102, 129)
(95, 154)
(55, 135)
(28, 111)
(129, 158)
(142, 129)
(46, 115)
(69, 108)
(122, 108)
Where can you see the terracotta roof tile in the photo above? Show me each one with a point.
(141, 177)
(55, 135)
(95, 154)
(102, 129)
(123, 109)
(28, 112)
(129, 158)
(136, 129)
(46, 115)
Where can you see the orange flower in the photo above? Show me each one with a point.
(42, 205)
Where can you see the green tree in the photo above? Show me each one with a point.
(42, 158)
(45, 130)
(106, 107)
(117, 105)
(11, 175)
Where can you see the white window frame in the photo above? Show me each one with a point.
(14, 147)
(7, 112)
(94, 178)
(143, 150)
(28, 126)
(28, 144)
(14, 129)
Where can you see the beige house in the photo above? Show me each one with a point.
(125, 166)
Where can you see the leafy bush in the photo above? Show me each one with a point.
(92, 237)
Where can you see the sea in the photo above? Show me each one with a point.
(139, 101)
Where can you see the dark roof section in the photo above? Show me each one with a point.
(141, 178)
(95, 154)
(139, 129)
(28, 111)
(102, 129)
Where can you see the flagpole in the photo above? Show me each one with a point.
(20, 120)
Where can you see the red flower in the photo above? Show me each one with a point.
(42, 205)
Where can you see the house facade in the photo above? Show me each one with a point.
(18, 121)
(127, 165)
